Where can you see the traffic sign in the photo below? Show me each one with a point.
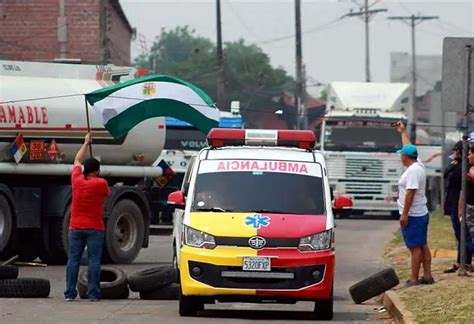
(53, 149)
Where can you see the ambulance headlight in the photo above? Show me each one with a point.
(196, 238)
(320, 241)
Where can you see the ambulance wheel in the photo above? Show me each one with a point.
(175, 265)
(189, 306)
(125, 232)
(6, 223)
(324, 308)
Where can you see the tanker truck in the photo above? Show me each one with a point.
(43, 121)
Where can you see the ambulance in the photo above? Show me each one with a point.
(254, 222)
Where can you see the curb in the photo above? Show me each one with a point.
(396, 308)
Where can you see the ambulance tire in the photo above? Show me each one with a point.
(124, 234)
(324, 308)
(374, 285)
(8, 272)
(175, 265)
(113, 283)
(170, 292)
(6, 223)
(189, 306)
(151, 279)
(25, 288)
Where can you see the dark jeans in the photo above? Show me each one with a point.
(78, 240)
(457, 232)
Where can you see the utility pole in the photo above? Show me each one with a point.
(367, 15)
(220, 59)
(412, 21)
(299, 93)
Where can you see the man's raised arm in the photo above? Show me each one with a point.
(401, 129)
(82, 151)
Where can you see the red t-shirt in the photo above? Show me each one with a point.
(88, 197)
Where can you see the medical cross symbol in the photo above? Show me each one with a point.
(257, 221)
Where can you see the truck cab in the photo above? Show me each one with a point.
(254, 222)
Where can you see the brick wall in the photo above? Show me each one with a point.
(28, 31)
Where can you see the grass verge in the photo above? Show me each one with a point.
(450, 298)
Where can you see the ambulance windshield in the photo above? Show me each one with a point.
(259, 186)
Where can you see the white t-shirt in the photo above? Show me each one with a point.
(414, 177)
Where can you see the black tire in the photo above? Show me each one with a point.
(25, 288)
(55, 239)
(151, 279)
(170, 292)
(6, 223)
(343, 214)
(113, 284)
(373, 285)
(8, 272)
(177, 276)
(324, 309)
(395, 215)
(189, 306)
(125, 232)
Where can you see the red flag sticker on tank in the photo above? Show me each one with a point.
(53, 149)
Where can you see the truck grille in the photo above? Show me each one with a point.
(364, 168)
(363, 188)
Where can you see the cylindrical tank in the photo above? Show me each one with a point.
(45, 102)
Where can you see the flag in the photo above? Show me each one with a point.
(123, 106)
(18, 148)
(167, 174)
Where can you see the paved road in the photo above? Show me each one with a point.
(359, 244)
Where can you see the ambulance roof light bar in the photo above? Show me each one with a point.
(219, 137)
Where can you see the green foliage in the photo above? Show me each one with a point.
(249, 76)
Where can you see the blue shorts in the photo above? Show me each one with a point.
(415, 234)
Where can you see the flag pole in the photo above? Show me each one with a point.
(88, 124)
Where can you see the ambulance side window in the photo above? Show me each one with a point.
(187, 176)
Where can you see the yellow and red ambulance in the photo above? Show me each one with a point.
(254, 222)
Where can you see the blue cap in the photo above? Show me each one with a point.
(410, 150)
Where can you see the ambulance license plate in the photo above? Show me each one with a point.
(257, 264)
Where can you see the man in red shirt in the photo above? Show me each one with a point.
(86, 226)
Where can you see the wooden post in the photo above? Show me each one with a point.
(88, 125)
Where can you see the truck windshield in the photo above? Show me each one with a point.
(365, 136)
(258, 186)
(185, 138)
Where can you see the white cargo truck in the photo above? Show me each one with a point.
(360, 144)
(43, 105)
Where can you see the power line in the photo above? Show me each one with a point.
(241, 20)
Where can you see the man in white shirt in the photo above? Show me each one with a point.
(414, 216)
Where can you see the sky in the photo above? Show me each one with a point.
(333, 48)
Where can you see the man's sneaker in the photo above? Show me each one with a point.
(70, 299)
(426, 281)
(453, 269)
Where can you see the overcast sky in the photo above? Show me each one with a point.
(333, 48)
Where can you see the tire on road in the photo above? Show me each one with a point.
(113, 283)
(373, 285)
(6, 223)
(25, 288)
(151, 279)
(189, 306)
(324, 308)
(8, 272)
(125, 232)
(170, 292)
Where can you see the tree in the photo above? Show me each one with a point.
(249, 76)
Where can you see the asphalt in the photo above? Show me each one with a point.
(359, 246)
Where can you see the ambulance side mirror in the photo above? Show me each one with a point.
(342, 203)
(176, 200)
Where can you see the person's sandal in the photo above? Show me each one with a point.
(453, 269)
(410, 283)
(426, 281)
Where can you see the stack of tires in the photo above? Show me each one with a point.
(13, 287)
(155, 283)
(113, 283)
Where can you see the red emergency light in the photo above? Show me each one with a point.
(303, 139)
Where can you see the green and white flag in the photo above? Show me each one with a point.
(122, 106)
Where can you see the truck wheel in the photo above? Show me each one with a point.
(189, 306)
(55, 239)
(8, 272)
(6, 223)
(324, 309)
(373, 285)
(125, 232)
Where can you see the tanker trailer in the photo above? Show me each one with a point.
(42, 125)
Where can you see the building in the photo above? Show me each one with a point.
(94, 31)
